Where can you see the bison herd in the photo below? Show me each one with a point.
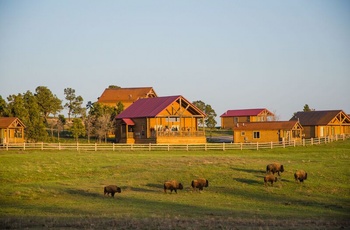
(200, 183)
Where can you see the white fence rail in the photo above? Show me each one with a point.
(170, 147)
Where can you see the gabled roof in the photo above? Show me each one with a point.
(267, 125)
(111, 95)
(6, 122)
(318, 117)
(151, 107)
(245, 112)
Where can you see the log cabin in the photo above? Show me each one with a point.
(127, 96)
(11, 130)
(269, 131)
(323, 123)
(170, 119)
(230, 118)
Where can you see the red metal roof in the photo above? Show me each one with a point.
(151, 107)
(128, 121)
(242, 112)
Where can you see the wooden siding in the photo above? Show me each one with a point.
(323, 123)
(176, 121)
(231, 117)
(11, 130)
(267, 132)
(127, 96)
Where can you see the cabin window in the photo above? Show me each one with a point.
(296, 133)
(172, 119)
(18, 133)
(242, 133)
(256, 134)
(235, 120)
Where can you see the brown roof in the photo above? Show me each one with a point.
(317, 117)
(268, 125)
(111, 95)
(6, 122)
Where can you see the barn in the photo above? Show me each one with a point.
(170, 119)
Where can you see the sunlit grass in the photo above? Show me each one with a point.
(69, 184)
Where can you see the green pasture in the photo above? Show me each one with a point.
(65, 188)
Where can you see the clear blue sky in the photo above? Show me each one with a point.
(278, 55)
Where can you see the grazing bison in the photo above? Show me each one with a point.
(274, 168)
(200, 183)
(270, 178)
(300, 175)
(172, 185)
(111, 189)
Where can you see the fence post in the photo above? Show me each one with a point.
(187, 147)
(223, 146)
(77, 146)
(257, 145)
(42, 145)
(24, 146)
(284, 143)
(168, 147)
(205, 147)
(343, 136)
(241, 146)
(294, 143)
(319, 140)
(59, 146)
(7, 146)
(271, 145)
(303, 142)
(149, 146)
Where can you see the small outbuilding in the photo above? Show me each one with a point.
(171, 119)
(270, 131)
(11, 130)
(323, 123)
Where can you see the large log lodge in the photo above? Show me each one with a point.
(171, 119)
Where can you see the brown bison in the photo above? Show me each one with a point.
(274, 168)
(200, 183)
(111, 189)
(270, 178)
(172, 185)
(300, 175)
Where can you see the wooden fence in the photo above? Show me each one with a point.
(170, 147)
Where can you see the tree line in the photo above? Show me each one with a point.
(93, 120)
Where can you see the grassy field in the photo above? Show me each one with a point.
(64, 189)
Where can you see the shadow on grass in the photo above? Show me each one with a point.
(248, 170)
(81, 192)
(247, 181)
